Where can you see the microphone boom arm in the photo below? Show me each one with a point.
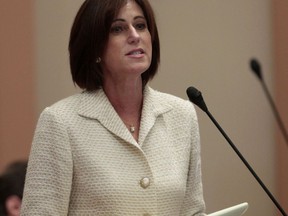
(256, 68)
(276, 113)
(246, 163)
(195, 96)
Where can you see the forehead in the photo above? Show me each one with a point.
(130, 7)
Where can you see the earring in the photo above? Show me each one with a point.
(98, 60)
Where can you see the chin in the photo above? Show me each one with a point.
(139, 69)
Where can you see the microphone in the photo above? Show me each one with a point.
(195, 96)
(256, 68)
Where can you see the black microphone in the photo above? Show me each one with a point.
(256, 68)
(195, 96)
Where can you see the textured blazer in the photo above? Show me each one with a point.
(84, 161)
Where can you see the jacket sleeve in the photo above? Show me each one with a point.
(194, 202)
(50, 168)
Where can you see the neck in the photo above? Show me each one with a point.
(127, 99)
(125, 96)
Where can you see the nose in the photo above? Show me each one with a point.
(134, 36)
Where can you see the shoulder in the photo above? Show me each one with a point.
(180, 114)
(65, 105)
(176, 103)
(85, 104)
(176, 108)
(64, 110)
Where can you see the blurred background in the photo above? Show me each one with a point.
(207, 44)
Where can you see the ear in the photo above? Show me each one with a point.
(13, 205)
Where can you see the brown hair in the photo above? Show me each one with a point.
(89, 36)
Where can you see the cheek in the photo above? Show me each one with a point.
(149, 42)
(150, 50)
(111, 52)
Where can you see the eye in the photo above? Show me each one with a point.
(141, 26)
(116, 29)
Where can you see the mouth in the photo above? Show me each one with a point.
(135, 52)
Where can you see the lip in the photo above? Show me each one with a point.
(135, 52)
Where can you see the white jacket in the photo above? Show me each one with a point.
(84, 161)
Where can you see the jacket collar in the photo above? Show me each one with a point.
(96, 105)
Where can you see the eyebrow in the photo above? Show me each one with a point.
(123, 20)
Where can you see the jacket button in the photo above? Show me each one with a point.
(145, 182)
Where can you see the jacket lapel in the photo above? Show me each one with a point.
(152, 109)
(95, 105)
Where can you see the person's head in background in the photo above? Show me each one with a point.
(92, 31)
(11, 188)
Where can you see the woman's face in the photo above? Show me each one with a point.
(129, 49)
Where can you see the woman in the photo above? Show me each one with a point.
(120, 147)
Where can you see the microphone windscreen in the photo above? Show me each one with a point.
(195, 97)
(256, 68)
(193, 92)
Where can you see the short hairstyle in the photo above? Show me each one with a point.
(89, 36)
